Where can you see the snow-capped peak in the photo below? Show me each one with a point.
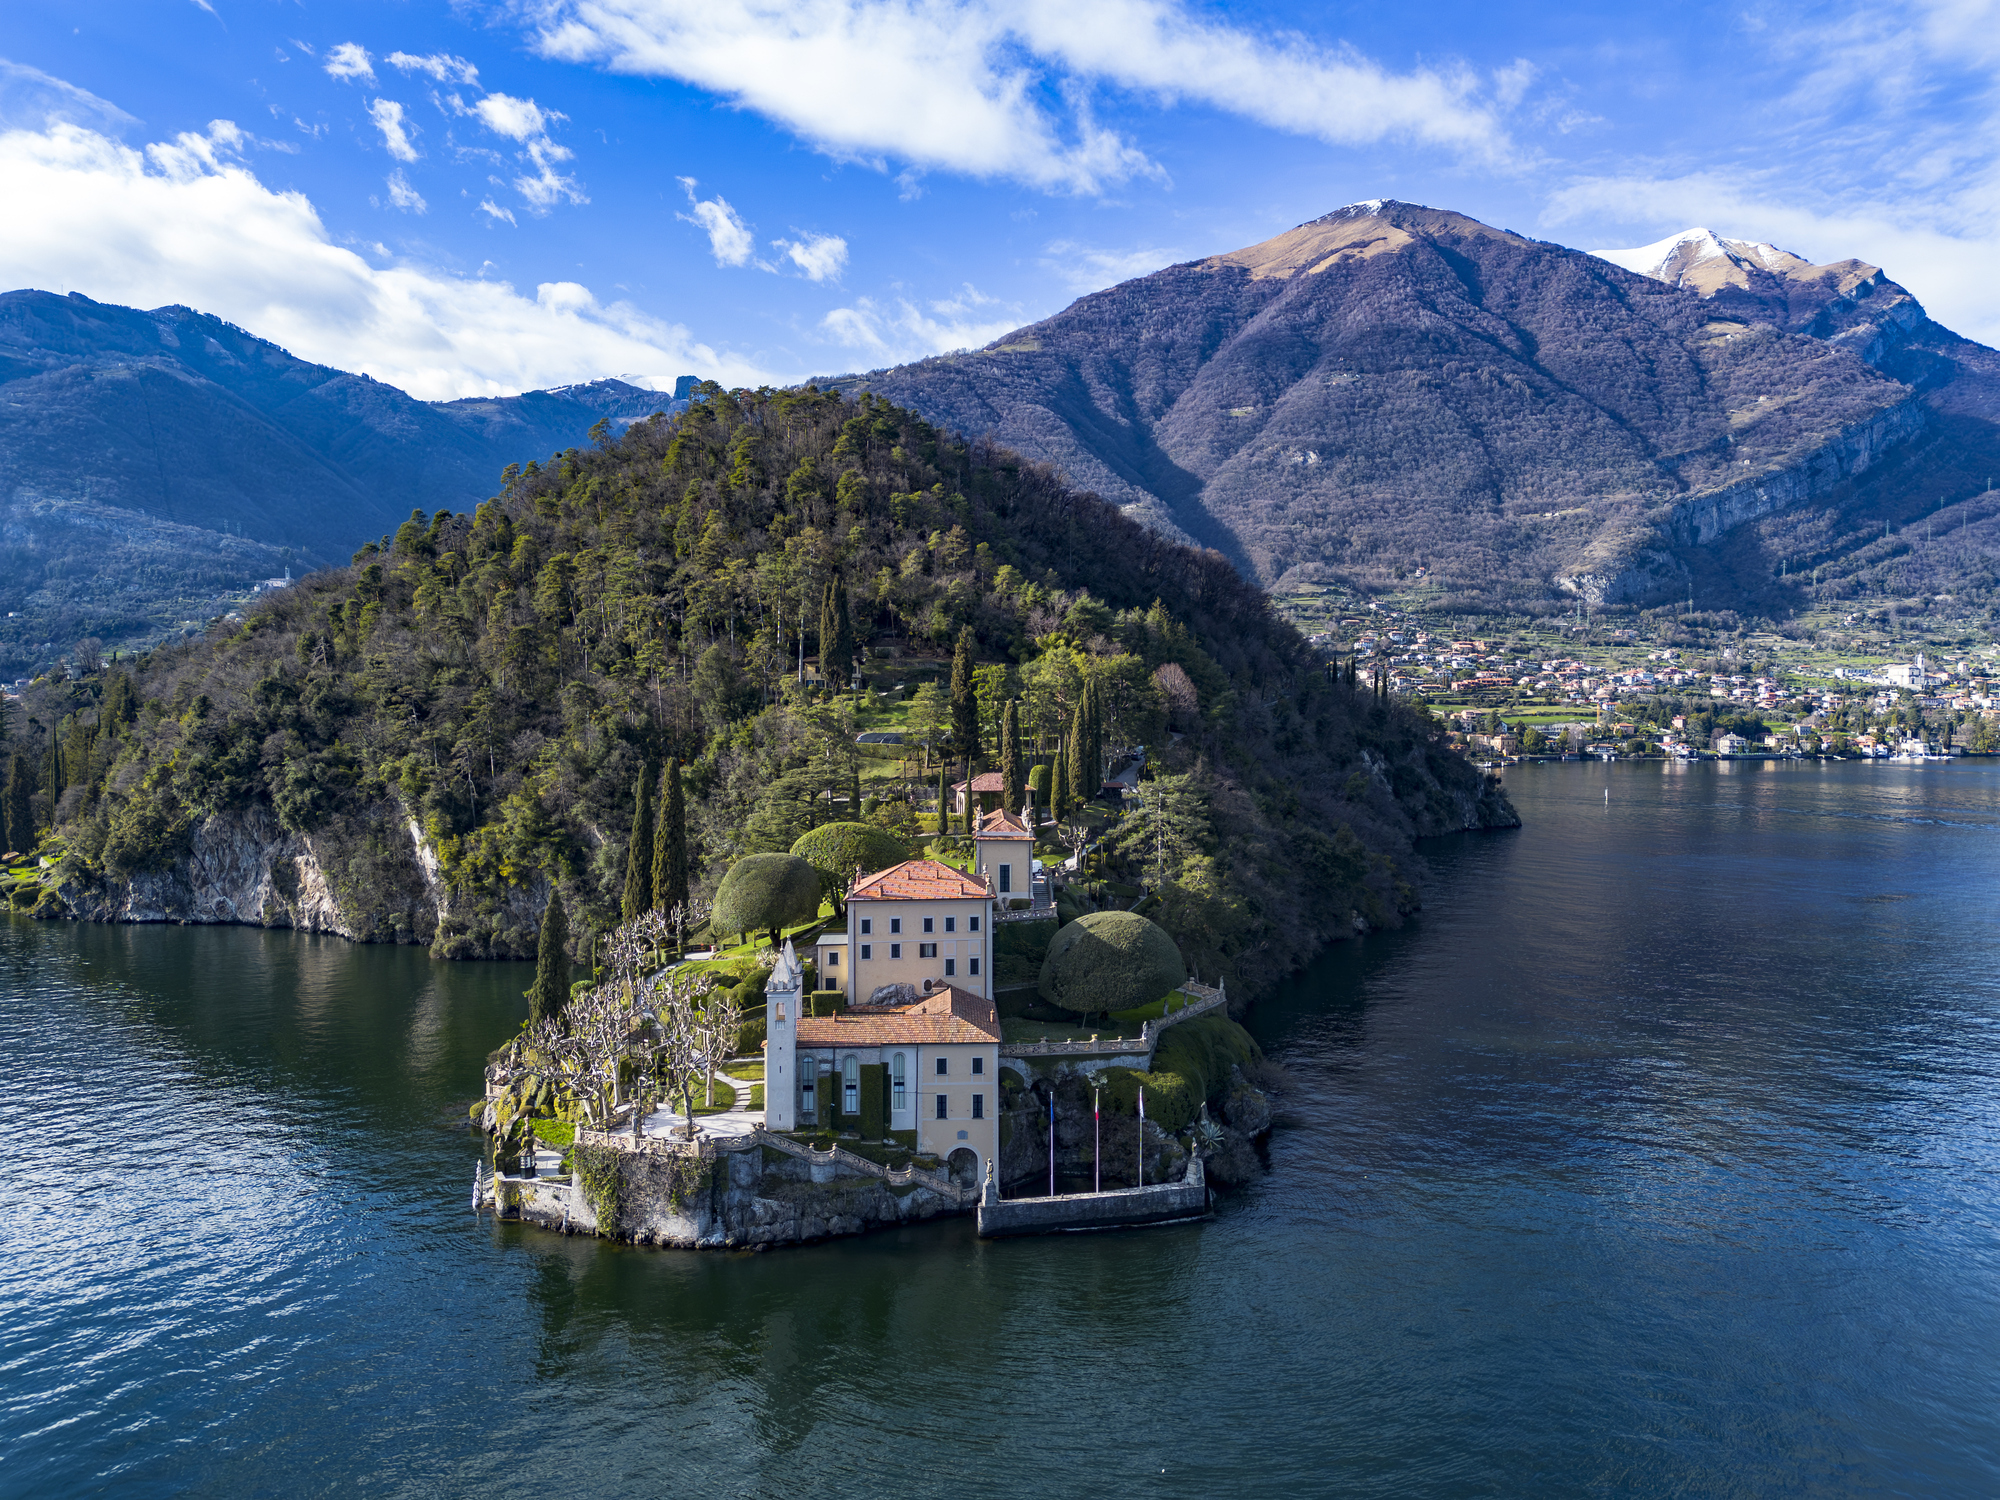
(1703, 260)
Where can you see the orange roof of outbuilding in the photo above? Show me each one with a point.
(919, 880)
(1001, 824)
(946, 1017)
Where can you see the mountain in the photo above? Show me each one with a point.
(151, 461)
(1392, 386)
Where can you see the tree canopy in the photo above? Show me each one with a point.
(838, 850)
(766, 893)
(1110, 960)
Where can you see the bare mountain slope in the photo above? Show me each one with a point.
(1392, 386)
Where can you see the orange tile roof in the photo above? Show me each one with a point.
(1001, 824)
(985, 781)
(919, 880)
(947, 1017)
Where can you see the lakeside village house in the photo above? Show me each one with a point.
(904, 1036)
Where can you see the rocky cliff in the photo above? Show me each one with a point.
(369, 876)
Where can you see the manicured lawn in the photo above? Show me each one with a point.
(725, 1098)
(750, 1070)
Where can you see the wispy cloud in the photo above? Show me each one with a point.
(890, 333)
(388, 117)
(187, 221)
(350, 60)
(441, 66)
(1004, 89)
(729, 238)
(403, 196)
(526, 122)
(1085, 268)
(31, 99)
(822, 257)
(495, 212)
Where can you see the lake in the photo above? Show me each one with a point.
(1660, 1156)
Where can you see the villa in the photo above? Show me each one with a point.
(926, 1073)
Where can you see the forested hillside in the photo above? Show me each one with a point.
(417, 746)
(151, 461)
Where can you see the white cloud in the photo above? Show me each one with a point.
(494, 211)
(441, 66)
(821, 256)
(1510, 84)
(525, 121)
(403, 195)
(969, 85)
(729, 238)
(1084, 268)
(894, 335)
(388, 117)
(350, 60)
(186, 221)
(517, 119)
(30, 99)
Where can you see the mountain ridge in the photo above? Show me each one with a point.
(1392, 385)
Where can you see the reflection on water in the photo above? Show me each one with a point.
(1657, 1158)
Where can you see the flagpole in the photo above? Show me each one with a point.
(1052, 1143)
(1097, 1144)
(1142, 1135)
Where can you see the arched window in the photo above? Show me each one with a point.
(898, 1100)
(850, 1086)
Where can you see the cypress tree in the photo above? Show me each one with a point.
(964, 707)
(1013, 791)
(17, 807)
(841, 652)
(551, 991)
(971, 801)
(1060, 800)
(944, 805)
(1076, 757)
(828, 629)
(670, 857)
(639, 856)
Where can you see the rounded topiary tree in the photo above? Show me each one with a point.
(1110, 960)
(837, 850)
(766, 893)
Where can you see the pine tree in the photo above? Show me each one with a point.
(670, 855)
(964, 706)
(17, 805)
(639, 855)
(1013, 789)
(551, 991)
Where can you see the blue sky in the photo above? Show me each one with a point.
(470, 197)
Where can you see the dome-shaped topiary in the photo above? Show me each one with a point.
(765, 893)
(1110, 960)
(837, 850)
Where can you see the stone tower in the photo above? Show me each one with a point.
(783, 995)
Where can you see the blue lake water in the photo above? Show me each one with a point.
(1661, 1156)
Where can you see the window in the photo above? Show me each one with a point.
(927, 950)
(895, 950)
(850, 1087)
(950, 967)
(867, 950)
(978, 1066)
(951, 924)
(895, 924)
(1006, 881)
(806, 1108)
(943, 1066)
(898, 1100)
(833, 958)
(780, 1014)
(867, 926)
(940, 1108)
(972, 924)
(930, 924)
(972, 966)
(978, 1106)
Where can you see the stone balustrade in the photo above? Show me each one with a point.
(1202, 1000)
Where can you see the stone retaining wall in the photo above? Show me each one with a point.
(1120, 1208)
